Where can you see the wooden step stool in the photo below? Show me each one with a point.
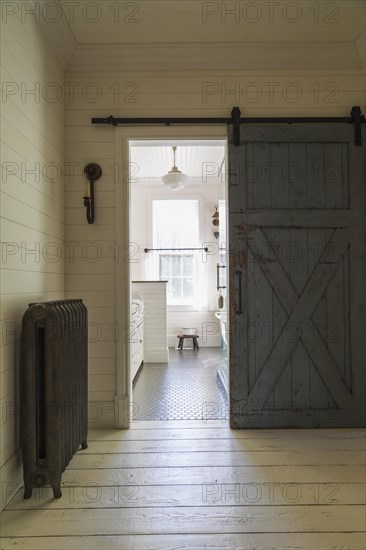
(181, 340)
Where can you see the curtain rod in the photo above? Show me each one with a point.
(173, 249)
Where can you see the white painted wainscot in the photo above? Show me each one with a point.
(154, 296)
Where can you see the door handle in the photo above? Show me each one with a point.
(218, 267)
(238, 272)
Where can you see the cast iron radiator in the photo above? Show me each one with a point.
(54, 385)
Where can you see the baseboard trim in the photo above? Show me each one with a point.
(212, 341)
(11, 478)
(156, 355)
(124, 412)
(100, 414)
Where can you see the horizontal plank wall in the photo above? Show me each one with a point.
(32, 205)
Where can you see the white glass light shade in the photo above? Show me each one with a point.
(174, 179)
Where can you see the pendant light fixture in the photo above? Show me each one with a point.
(174, 179)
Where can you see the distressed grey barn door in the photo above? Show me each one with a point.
(297, 276)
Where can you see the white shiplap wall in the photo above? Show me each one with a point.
(32, 205)
(91, 274)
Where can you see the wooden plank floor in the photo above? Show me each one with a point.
(192, 485)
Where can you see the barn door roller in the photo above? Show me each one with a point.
(356, 118)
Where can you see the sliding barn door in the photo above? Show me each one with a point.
(297, 276)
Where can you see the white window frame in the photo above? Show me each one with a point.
(199, 198)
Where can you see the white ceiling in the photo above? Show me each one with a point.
(180, 35)
(197, 161)
(194, 21)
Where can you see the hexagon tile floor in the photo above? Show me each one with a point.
(186, 388)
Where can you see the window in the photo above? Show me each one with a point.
(178, 269)
(175, 226)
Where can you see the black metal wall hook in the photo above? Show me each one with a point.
(92, 172)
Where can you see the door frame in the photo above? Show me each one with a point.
(123, 402)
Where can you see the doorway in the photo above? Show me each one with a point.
(178, 347)
(143, 270)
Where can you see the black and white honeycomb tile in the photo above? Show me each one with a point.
(186, 388)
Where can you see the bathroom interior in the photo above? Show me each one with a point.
(178, 271)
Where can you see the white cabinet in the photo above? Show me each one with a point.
(137, 347)
(154, 296)
(136, 336)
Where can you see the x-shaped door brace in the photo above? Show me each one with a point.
(299, 310)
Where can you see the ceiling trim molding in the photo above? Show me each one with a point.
(58, 34)
(138, 58)
(215, 73)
